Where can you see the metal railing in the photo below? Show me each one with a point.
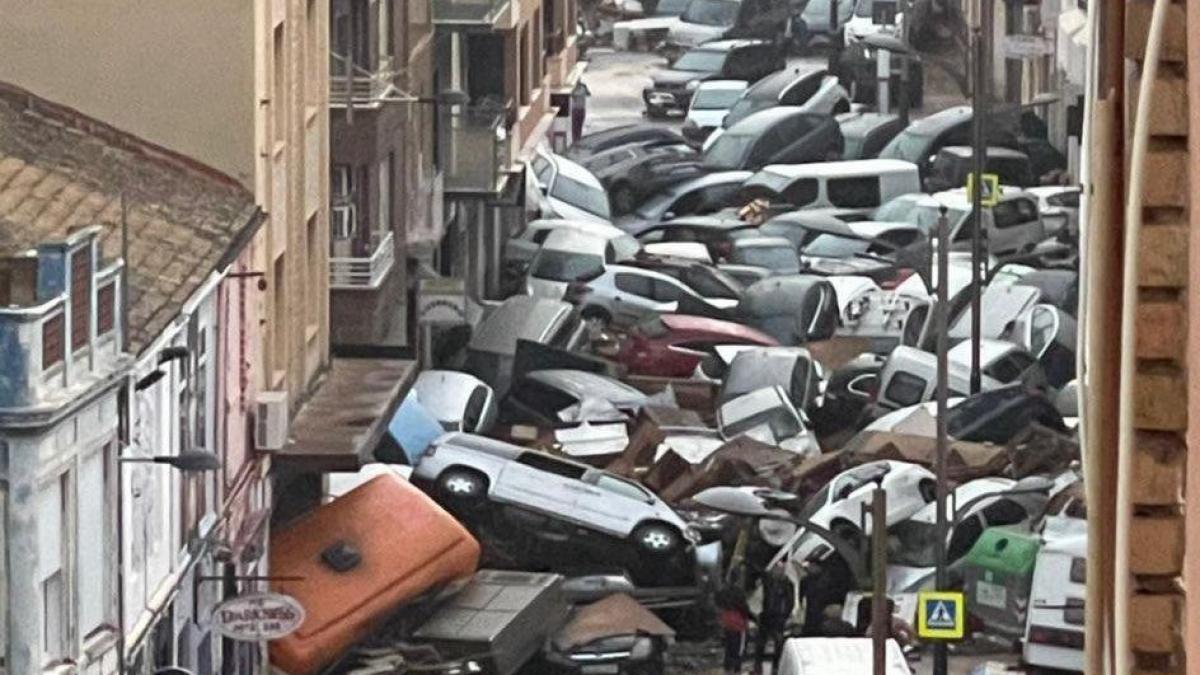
(473, 148)
(352, 84)
(365, 273)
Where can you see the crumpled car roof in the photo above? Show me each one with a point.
(615, 615)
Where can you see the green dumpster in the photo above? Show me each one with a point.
(997, 576)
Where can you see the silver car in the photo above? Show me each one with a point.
(628, 295)
(768, 416)
(465, 468)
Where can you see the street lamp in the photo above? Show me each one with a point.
(188, 461)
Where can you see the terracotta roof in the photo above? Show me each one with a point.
(60, 172)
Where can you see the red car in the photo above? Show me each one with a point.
(672, 345)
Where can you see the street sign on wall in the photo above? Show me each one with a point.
(257, 617)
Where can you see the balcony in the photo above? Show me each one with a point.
(473, 147)
(350, 84)
(363, 273)
(473, 13)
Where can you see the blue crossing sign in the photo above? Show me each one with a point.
(940, 615)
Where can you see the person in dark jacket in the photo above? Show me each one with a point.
(778, 601)
(734, 617)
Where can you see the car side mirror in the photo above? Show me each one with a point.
(669, 215)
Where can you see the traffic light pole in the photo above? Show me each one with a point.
(943, 441)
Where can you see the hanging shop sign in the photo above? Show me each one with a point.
(257, 616)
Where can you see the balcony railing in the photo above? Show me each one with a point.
(471, 12)
(351, 84)
(365, 273)
(473, 148)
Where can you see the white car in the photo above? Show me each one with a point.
(568, 256)
(710, 104)
(459, 401)
(648, 30)
(521, 247)
(1054, 627)
(838, 506)
(1059, 206)
(465, 469)
(569, 191)
(862, 23)
(1013, 225)
(772, 253)
(703, 21)
(768, 416)
(627, 295)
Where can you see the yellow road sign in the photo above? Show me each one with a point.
(991, 188)
(940, 615)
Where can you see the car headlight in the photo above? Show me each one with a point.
(692, 535)
(642, 649)
(693, 85)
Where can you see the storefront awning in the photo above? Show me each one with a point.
(339, 428)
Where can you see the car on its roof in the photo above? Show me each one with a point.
(673, 345)
(866, 133)
(921, 140)
(616, 137)
(780, 135)
(809, 88)
(671, 89)
(631, 173)
(701, 195)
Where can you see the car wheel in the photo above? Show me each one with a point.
(622, 199)
(462, 484)
(594, 313)
(842, 106)
(656, 538)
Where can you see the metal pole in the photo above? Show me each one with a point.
(943, 382)
(902, 99)
(834, 48)
(880, 616)
(978, 156)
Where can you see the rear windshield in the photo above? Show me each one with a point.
(711, 12)
(729, 151)
(832, 246)
(580, 195)
(770, 257)
(905, 389)
(715, 99)
(700, 60)
(566, 266)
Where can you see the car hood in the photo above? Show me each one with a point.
(646, 24)
(676, 78)
(545, 288)
(707, 118)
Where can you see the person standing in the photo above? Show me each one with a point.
(778, 601)
(734, 617)
(579, 97)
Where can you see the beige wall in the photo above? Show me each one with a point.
(177, 73)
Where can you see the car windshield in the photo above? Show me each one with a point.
(713, 283)
(781, 421)
(816, 12)
(565, 266)
(711, 12)
(671, 7)
(729, 151)
(592, 199)
(655, 207)
(770, 257)
(908, 146)
(715, 99)
(700, 61)
(833, 246)
(852, 146)
(912, 543)
(747, 107)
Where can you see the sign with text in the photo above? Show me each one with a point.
(940, 615)
(257, 617)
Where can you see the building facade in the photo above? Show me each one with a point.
(385, 189)
(64, 375)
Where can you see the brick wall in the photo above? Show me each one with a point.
(1157, 536)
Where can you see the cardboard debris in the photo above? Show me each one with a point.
(650, 428)
(593, 441)
(613, 616)
(1039, 450)
(964, 461)
(741, 461)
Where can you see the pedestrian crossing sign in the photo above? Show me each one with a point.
(991, 188)
(940, 615)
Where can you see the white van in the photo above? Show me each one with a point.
(1013, 225)
(857, 186)
(1054, 626)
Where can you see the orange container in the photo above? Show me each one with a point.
(405, 545)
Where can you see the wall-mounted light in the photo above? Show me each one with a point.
(188, 461)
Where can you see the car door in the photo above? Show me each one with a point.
(542, 483)
(634, 297)
(612, 505)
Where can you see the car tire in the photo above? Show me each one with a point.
(842, 106)
(622, 199)
(596, 313)
(464, 485)
(657, 538)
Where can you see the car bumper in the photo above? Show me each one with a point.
(660, 99)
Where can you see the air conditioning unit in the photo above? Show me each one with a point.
(271, 420)
(343, 222)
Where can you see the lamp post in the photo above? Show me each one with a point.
(943, 440)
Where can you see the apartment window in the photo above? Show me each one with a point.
(385, 195)
(525, 77)
(383, 17)
(279, 86)
(418, 13)
(352, 35)
(106, 308)
(94, 506)
(279, 318)
(52, 520)
(200, 378)
(52, 341)
(313, 251)
(81, 298)
(312, 54)
(539, 47)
